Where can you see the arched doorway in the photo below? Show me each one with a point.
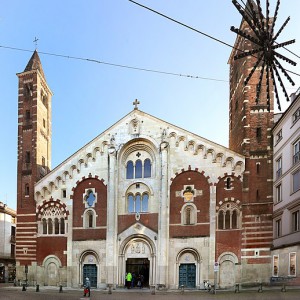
(52, 264)
(137, 256)
(89, 267)
(227, 273)
(188, 268)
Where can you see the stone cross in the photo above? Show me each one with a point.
(35, 41)
(136, 103)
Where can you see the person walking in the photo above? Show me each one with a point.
(128, 280)
(87, 287)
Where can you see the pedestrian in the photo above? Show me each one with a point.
(128, 280)
(87, 287)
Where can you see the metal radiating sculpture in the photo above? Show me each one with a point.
(264, 41)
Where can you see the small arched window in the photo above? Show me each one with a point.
(138, 169)
(234, 220)
(50, 226)
(227, 219)
(138, 203)
(26, 189)
(129, 170)
(44, 226)
(228, 183)
(62, 226)
(90, 217)
(221, 219)
(56, 226)
(147, 168)
(145, 202)
(130, 203)
(188, 216)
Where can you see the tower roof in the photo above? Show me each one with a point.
(35, 64)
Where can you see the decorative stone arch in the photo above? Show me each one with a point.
(88, 257)
(144, 144)
(95, 151)
(227, 269)
(137, 246)
(52, 266)
(213, 154)
(188, 256)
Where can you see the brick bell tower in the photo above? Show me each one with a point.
(34, 159)
(250, 125)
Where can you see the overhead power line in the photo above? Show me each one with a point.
(116, 65)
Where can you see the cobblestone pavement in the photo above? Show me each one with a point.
(16, 293)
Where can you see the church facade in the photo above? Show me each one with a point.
(145, 196)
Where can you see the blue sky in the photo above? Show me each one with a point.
(90, 97)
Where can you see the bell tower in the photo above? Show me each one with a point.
(250, 124)
(34, 157)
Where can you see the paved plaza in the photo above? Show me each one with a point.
(16, 293)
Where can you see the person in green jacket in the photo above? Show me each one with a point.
(128, 280)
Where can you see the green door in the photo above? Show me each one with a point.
(187, 275)
(90, 271)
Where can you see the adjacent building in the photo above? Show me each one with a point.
(286, 189)
(7, 245)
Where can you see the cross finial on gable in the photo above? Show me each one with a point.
(35, 41)
(136, 103)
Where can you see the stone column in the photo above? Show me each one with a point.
(212, 239)
(163, 234)
(111, 235)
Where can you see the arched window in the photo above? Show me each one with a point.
(26, 189)
(228, 182)
(138, 169)
(129, 170)
(50, 226)
(90, 222)
(62, 226)
(145, 202)
(56, 226)
(227, 219)
(89, 219)
(44, 226)
(52, 221)
(221, 219)
(147, 168)
(228, 216)
(234, 220)
(189, 215)
(130, 203)
(138, 203)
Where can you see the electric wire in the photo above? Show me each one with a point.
(116, 65)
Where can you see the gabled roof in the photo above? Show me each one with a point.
(35, 64)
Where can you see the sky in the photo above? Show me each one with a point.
(89, 97)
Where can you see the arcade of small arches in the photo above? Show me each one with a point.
(135, 168)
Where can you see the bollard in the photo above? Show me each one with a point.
(24, 287)
(152, 288)
(37, 288)
(237, 288)
(260, 288)
(283, 288)
(60, 289)
(182, 289)
(109, 288)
